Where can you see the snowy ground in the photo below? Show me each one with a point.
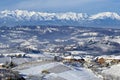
(37, 69)
(112, 73)
(81, 74)
(58, 71)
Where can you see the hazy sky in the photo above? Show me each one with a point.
(85, 6)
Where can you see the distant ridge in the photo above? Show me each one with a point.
(24, 17)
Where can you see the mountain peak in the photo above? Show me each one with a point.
(104, 15)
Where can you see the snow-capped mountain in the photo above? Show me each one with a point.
(26, 15)
(23, 17)
(104, 15)
(105, 19)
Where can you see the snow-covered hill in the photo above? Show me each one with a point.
(23, 17)
(34, 39)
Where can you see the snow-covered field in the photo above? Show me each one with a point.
(112, 73)
(37, 69)
(81, 74)
(64, 72)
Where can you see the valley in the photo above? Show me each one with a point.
(60, 52)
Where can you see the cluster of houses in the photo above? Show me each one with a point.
(70, 58)
(99, 61)
(107, 61)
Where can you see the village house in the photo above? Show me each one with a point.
(101, 60)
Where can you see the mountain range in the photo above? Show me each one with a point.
(24, 17)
